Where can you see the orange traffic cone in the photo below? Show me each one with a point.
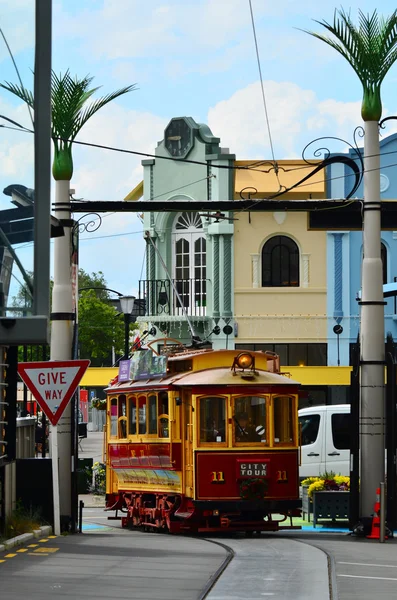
(375, 529)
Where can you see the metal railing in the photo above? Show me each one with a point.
(159, 298)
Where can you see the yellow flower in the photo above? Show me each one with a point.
(316, 486)
(309, 480)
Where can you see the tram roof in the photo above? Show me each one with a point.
(221, 376)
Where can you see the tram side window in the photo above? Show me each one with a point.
(153, 414)
(113, 417)
(164, 428)
(132, 416)
(212, 419)
(249, 419)
(122, 417)
(283, 419)
(142, 414)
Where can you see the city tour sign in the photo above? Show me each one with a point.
(53, 383)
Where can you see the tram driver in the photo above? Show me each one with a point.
(246, 431)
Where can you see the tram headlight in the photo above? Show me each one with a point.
(244, 360)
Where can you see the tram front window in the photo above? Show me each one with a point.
(212, 419)
(283, 420)
(249, 419)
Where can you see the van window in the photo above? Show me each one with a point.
(341, 430)
(310, 425)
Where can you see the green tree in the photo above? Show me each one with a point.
(94, 280)
(101, 328)
(371, 50)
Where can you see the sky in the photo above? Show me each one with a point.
(187, 58)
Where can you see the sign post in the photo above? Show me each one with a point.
(53, 383)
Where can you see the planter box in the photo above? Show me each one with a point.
(330, 506)
(307, 504)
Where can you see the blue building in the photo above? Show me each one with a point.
(344, 257)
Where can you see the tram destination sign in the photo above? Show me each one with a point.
(53, 383)
(254, 468)
(143, 364)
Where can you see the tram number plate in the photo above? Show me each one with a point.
(253, 469)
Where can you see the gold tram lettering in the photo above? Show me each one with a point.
(217, 477)
(282, 476)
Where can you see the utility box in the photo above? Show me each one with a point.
(34, 487)
(84, 475)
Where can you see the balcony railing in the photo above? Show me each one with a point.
(158, 298)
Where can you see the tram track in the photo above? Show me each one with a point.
(262, 564)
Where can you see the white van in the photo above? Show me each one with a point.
(325, 439)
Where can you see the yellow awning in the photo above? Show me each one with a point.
(101, 376)
(135, 194)
(266, 182)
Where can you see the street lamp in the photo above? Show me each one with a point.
(127, 305)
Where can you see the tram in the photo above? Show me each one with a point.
(201, 440)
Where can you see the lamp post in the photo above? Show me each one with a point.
(338, 329)
(127, 305)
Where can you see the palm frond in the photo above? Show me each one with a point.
(19, 91)
(97, 105)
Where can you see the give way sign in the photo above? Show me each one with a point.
(53, 383)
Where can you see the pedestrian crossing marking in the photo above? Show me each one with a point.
(2, 560)
(43, 540)
(22, 550)
(10, 555)
(51, 537)
(46, 550)
(32, 545)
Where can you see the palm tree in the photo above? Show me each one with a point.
(70, 112)
(371, 50)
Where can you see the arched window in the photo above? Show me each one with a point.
(280, 262)
(190, 271)
(383, 255)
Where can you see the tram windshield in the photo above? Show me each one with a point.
(212, 419)
(249, 420)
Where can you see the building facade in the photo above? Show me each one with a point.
(260, 280)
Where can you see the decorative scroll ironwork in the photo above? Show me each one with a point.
(249, 193)
(358, 169)
(383, 121)
(89, 226)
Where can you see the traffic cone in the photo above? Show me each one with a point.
(375, 529)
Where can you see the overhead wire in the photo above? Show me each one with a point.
(250, 167)
(263, 91)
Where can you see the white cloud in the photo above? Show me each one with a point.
(295, 115)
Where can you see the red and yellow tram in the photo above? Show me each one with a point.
(203, 440)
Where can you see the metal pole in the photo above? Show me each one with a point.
(337, 337)
(382, 514)
(25, 389)
(126, 336)
(81, 506)
(42, 158)
(372, 384)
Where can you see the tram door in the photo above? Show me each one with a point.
(188, 441)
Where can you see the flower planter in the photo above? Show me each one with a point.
(330, 505)
(307, 504)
